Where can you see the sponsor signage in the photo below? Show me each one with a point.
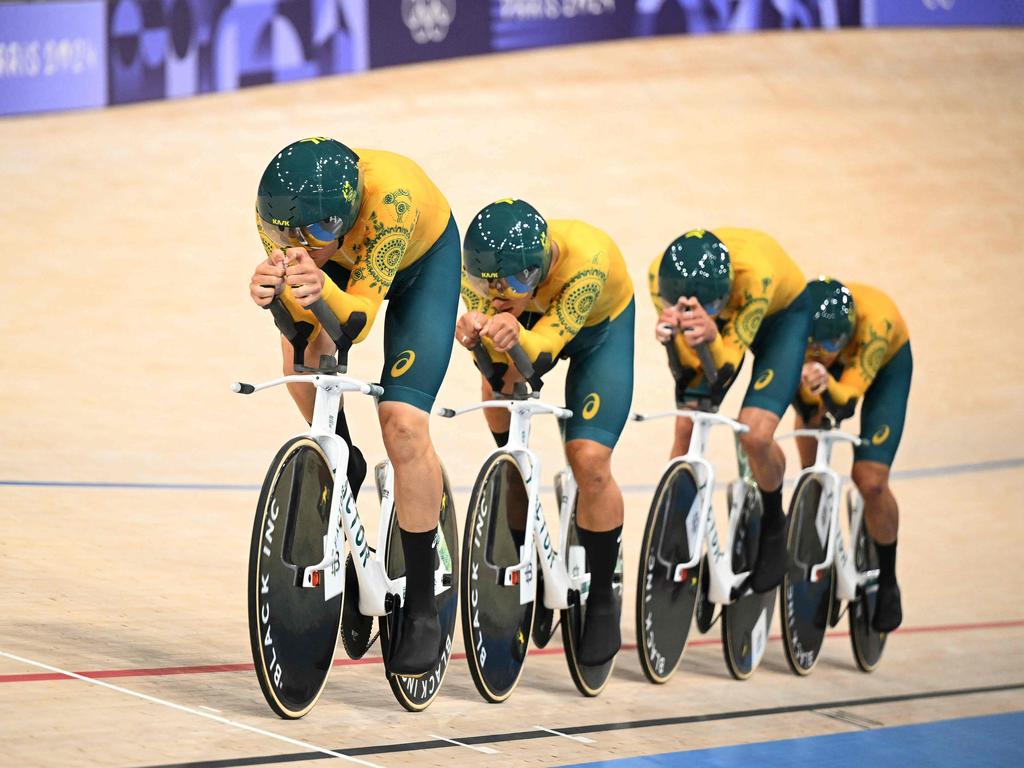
(938, 13)
(52, 56)
(406, 31)
(533, 23)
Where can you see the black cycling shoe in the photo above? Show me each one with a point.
(601, 638)
(418, 647)
(888, 609)
(771, 560)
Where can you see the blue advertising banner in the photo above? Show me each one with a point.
(168, 48)
(533, 23)
(52, 56)
(406, 31)
(696, 17)
(940, 13)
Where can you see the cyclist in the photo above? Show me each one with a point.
(734, 289)
(859, 350)
(355, 227)
(561, 290)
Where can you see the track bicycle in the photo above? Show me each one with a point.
(301, 595)
(822, 571)
(505, 597)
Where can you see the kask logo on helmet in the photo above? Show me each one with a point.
(428, 21)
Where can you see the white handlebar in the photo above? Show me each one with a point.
(830, 435)
(529, 406)
(344, 383)
(695, 416)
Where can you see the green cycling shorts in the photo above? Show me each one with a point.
(419, 322)
(885, 409)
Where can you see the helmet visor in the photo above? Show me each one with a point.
(317, 235)
(716, 306)
(829, 346)
(518, 286)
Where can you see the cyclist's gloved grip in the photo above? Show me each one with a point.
(839, 412)
(725, 376)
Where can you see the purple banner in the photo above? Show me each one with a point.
(168, 48)
(695, 17)
(52, 56)
(940, 13)
(533, 23)
(406, 31)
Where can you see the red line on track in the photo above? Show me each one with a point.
(214, 668)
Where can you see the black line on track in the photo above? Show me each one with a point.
(415, 746)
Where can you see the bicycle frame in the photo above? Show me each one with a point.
(560, 574)
(700, 519)
(344, 522)
(826, 520)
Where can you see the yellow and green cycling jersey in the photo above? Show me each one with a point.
(402, 215)
(588, 284)
(880, 333)
(765, 282)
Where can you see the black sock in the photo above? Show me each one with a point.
(419, 571)
(356, 470)
(886, 564)
(500, 438)
(772, 503)
(602, 553)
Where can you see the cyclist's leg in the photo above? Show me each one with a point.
(419, 329)
(778, 361)
(599, 391)
(882, 418)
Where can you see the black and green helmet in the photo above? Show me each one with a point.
(834, 317)
(310, 193)
(506, 252)
(697, 265)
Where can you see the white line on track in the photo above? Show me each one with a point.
(484, 750)
(189, 710)
(209, 709)
(581, 739)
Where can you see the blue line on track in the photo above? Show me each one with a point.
(909, 474)
(975, 741)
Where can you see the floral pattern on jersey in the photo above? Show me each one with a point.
(380, 254)
(577, 298)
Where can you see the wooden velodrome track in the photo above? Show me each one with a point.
(894, 158)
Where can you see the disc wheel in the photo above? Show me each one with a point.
(867, 643)
(589, 680)
(805, 604)
(665, 607)
(293, 631)
(747, 621)
(496, 625)
(417, 693)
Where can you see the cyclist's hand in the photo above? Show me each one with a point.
(502, 330)
(304, 277)
(467, 329)
(668, 321)
(268, 279)
(815, 377)
(698, 326)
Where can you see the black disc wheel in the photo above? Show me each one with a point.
(806, 604)
(867, 643)
(496, 625)
(417, 693)
(292, 630)
(747, 621)
(589, 680)
(664, 606)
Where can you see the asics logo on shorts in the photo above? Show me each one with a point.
(591, 405)
(881, 435)
(403, 363)
(764, 379)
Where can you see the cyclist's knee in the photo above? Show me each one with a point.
(591, 465)
(760, 437)
(871, 479)
(405, 432)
